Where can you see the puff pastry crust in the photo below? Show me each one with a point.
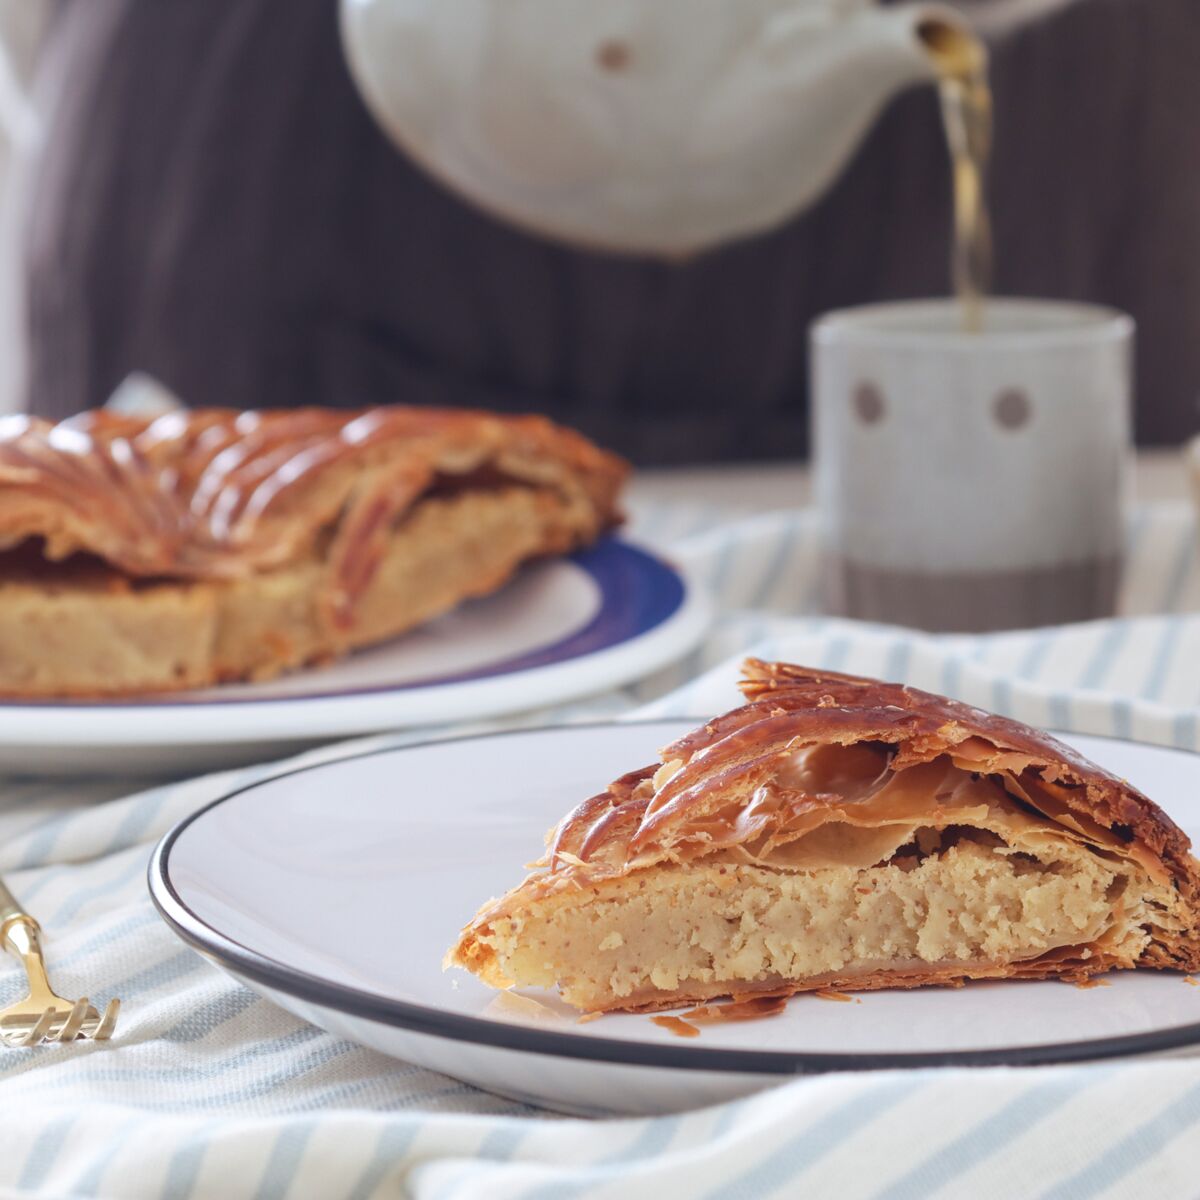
(840, 832)
(143, 554)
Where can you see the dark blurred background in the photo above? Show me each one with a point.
(210, 202)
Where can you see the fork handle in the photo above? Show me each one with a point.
(9, 906)
(19, 936)
(10, 910)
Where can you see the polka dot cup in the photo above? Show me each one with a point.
(971, 481)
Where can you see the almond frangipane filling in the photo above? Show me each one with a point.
(693, 933)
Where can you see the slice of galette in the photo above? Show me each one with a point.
(838, 832)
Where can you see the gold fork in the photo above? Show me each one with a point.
(43, 1016)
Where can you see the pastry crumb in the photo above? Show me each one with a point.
(739, 1008)
(677, 1025)
(509, 1005)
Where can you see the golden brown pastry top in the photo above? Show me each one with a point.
(218, 493)
(811, 746)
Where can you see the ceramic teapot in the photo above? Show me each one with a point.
(644, 126)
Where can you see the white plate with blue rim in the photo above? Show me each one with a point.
(559, 630)
(336, 889)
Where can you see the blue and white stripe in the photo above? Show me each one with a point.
(210, 1091)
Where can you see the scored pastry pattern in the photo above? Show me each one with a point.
(219, 494)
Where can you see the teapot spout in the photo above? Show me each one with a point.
(895, 46)
(934, 41)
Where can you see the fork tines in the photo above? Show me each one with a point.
(81, 1021)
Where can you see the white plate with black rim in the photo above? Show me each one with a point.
(336, 889)
(560, 629)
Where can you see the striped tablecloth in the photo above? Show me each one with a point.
(210, 1091)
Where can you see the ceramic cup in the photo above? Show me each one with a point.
(972, 481)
